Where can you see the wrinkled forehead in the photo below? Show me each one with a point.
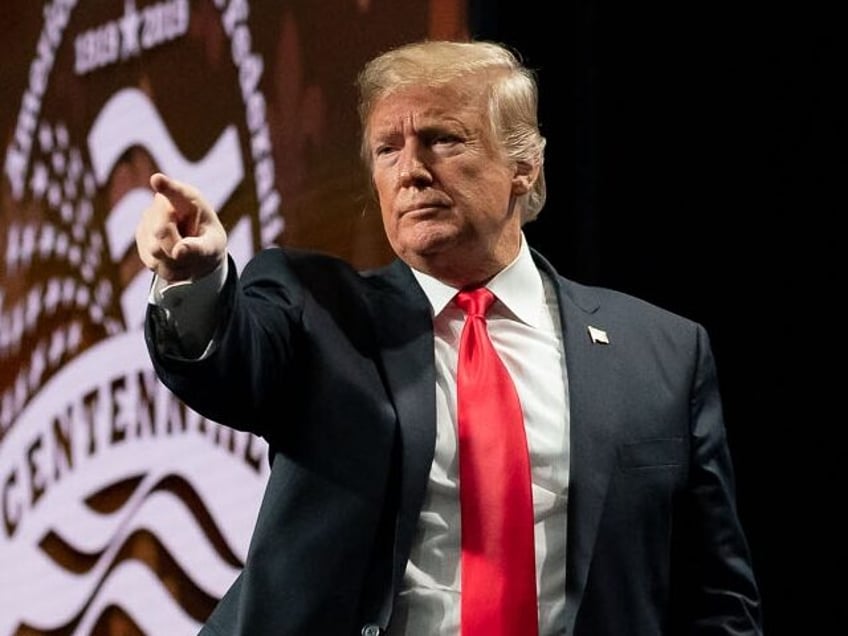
(447, 100)
(467, 97)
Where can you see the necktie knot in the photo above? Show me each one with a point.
(475, 302)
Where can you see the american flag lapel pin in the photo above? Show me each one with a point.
(598, 336)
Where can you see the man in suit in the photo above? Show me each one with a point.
(355, 380)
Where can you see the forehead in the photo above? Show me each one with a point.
(462, 105)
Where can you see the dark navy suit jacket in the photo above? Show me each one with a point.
(335, 369)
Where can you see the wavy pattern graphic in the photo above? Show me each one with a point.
(140, 564)
(129, 119)
(217, 175)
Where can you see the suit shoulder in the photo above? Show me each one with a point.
(291, 256)
(306, 265)
(626, 307)
(311, 277)
(637, 304)
(604, 301)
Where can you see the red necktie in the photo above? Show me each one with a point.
(498, 594)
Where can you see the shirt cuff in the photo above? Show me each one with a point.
(190, 310)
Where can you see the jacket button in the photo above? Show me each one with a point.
(371, 630)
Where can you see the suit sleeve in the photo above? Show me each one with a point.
(238, 381)
(723, 598)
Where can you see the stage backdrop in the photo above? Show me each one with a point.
(122, 511)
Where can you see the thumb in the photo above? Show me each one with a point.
(193, 247)
(197, 255)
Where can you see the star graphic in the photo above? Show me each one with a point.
(129, 30)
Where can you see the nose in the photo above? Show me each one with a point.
(412, 167)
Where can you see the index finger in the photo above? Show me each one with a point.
(171, 188)
(185, 201)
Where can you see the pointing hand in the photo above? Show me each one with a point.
(179, 236)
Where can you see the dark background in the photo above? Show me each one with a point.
(691, 162)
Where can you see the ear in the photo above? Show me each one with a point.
(523, 178)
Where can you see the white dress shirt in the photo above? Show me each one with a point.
(525, 330)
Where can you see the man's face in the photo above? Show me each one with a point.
(446, 189)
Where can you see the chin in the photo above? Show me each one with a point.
(429, 243)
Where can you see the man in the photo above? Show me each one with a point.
(359, 383)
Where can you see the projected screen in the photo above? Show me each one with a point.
(122, 510)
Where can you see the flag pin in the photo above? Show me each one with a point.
(598, 336)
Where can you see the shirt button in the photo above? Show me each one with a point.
(371, 630)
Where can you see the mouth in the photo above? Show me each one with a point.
(424, 208)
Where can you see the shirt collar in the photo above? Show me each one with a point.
(518, 287)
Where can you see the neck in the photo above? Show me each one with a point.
(463, 269)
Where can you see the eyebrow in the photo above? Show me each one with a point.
(427, 128)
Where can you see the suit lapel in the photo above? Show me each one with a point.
(405, 340)
(593, 414)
